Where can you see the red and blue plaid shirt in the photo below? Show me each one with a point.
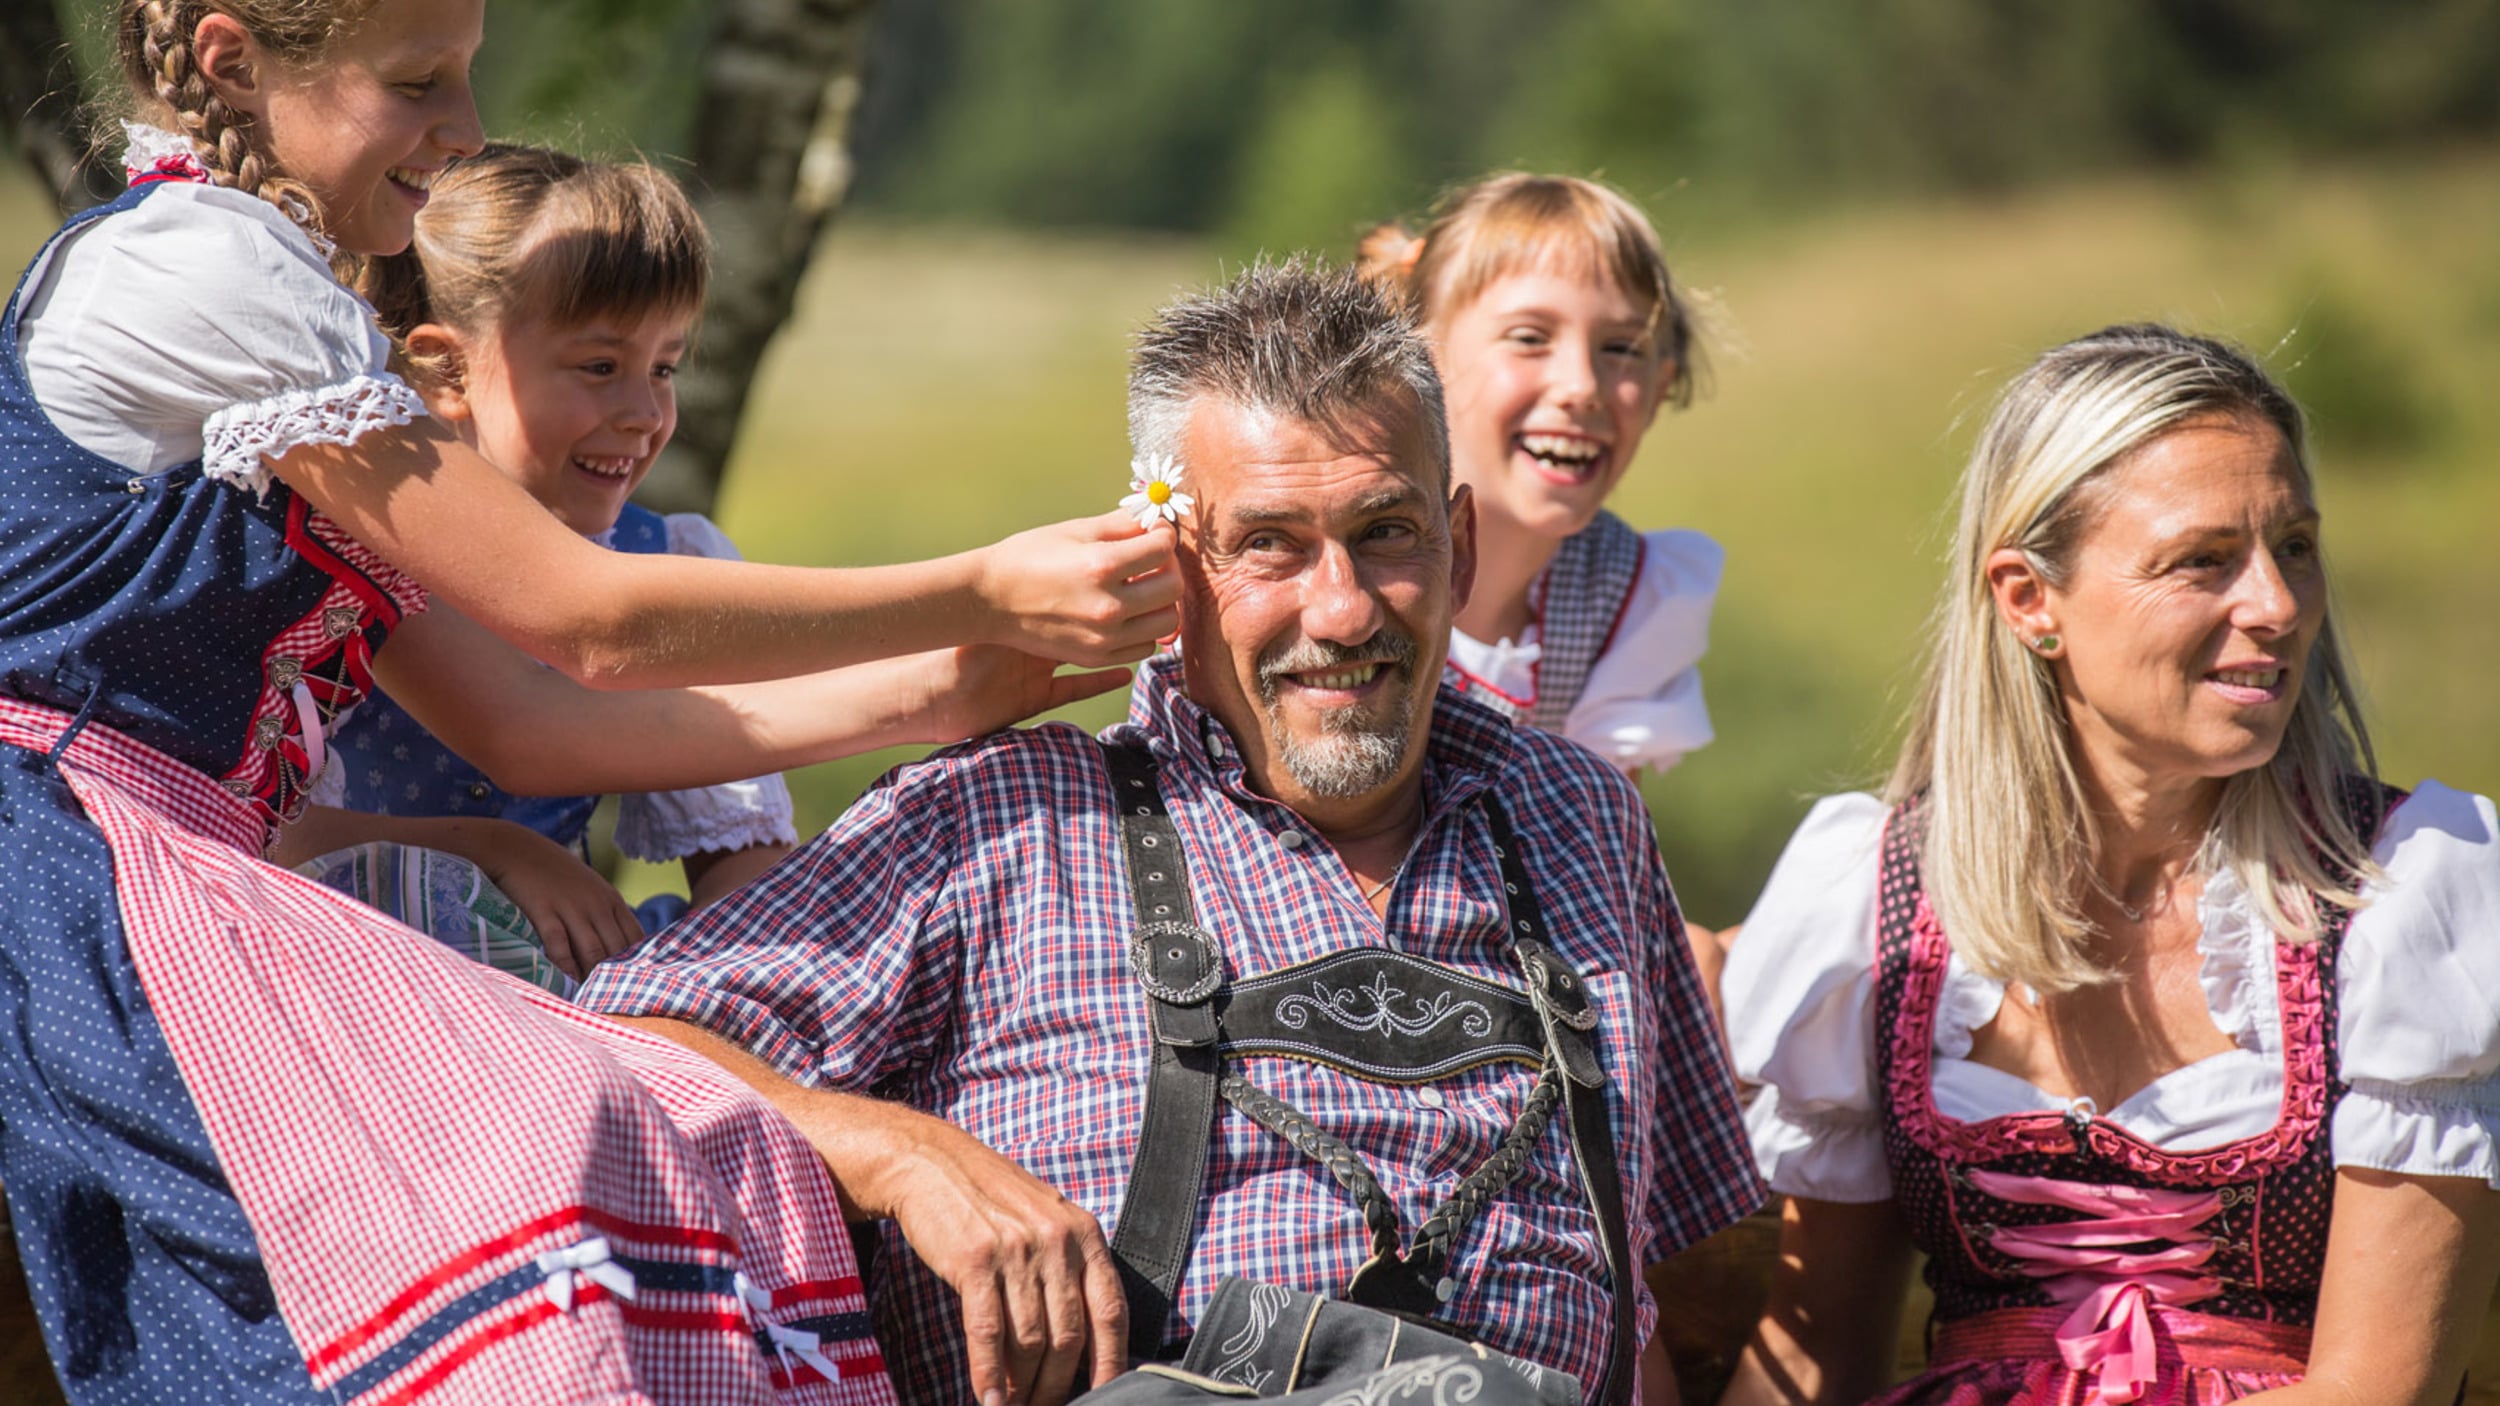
(957, 942)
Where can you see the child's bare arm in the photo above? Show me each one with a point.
(578, 914)
(1095, 591)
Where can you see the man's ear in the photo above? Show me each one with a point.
(1462, 547)
(2022, 599)
(232, 63)
(442, 377)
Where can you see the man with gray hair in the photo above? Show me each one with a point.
(1311, 978)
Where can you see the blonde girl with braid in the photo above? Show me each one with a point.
(261, 1143)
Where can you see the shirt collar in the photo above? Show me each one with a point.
(1467, 749)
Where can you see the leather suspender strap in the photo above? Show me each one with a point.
(1561, 1001)
(1180, 967)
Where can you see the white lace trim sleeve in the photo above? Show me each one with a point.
(2419, 978)
(239, 441)
(1642, 706)
(200, 306)
(1800, 994)
(658, 826)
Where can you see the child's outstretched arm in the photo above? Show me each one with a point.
(1093, 591)
(537, 732)
(579, 914)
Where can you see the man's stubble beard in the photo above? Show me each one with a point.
(1361, 749)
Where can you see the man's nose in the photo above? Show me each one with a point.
(1337, 604)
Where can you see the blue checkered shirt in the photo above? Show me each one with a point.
(957, 942)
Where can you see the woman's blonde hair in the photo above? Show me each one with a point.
(2010, 841)
(1516, 220)
(524, 232)
(152, 40)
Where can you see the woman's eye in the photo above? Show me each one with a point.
(415, 87)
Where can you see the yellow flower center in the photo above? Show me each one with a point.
(1158, 493)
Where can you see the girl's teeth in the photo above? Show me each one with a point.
(1552, 446)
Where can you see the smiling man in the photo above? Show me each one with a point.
(1310, 978)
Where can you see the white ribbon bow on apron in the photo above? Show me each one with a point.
(590, 1260)
(787, 1342)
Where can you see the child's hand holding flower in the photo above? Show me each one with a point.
(1156, 496)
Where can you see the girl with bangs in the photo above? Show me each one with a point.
(544, 310)
(1559, 333)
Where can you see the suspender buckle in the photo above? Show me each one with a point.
(1178, 963)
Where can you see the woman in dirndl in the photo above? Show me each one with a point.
(2137, 1004)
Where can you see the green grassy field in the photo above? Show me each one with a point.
(943, 387)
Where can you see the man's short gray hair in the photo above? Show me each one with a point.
(1297, 338)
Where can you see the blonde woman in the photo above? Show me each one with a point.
(2136, 1003)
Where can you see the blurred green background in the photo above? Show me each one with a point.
(1890, 207)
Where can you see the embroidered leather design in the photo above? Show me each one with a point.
(1382, 1015)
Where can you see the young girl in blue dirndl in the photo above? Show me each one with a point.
(546, 307)
(260, 1143)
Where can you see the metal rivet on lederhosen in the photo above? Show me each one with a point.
(1148, 841)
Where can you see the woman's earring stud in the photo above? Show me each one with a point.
(2047, 644)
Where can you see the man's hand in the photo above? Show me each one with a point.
(1043, 1311)
(1041, 1292)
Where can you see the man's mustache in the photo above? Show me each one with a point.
(1389, 646)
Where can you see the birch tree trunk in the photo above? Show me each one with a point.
(39, 108)
(769, 163)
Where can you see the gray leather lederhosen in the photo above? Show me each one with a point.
(1376, 1014)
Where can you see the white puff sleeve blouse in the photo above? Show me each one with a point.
(1641, 707)
(2418, 983)
(203, 324)
(658, 826)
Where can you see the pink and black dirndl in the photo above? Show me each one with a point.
(2074, 1264)
(262, 1144)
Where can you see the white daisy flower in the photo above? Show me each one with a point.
(1157, 495)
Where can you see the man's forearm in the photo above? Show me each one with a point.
(851, 1132)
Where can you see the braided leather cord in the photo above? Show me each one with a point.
(1342, 1162)
(1438, 1238)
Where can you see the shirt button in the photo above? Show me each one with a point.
(479, 790)
(1291, 839)
(1430, 1097)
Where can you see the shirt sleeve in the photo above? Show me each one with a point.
(2419, 985)
(658, 826)
(1641, 707)
(838, 966)
(1799, 988)
(1704, 1177)
(202, 324)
